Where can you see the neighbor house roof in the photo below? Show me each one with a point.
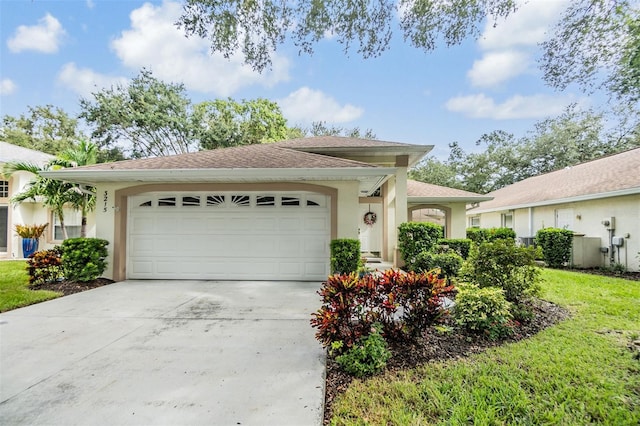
(421, 192)
(10, 153)
(609, 176)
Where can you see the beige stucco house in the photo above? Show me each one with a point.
(29, 212)
(599, 200)
(259, 211)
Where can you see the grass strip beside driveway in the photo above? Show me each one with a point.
(578, 372)
(14, 287)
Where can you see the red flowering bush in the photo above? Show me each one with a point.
(403, 303)
(45, 266)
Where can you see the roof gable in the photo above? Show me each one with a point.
(595, 179)
(10, 153)
(426, 192)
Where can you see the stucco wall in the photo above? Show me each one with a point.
(586, 217)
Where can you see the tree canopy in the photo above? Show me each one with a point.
(501, 159)
(595, 42)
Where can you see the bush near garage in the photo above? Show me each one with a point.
(503, 264)
(345, 256)
(45, 266)
(460, 245)
(483, 311)
(417, 237)
(84, 259)
(368, 356)
(449, 262)
(403, 303)
(556, 246)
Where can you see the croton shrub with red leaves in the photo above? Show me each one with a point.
(45, 266)
(404, 303)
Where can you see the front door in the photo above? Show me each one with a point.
(4, 228)
(370, 228)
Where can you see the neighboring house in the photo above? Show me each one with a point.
(598, 200)
(263, 211)
(29, 212)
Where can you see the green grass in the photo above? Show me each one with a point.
(14, 291)
(575, 373)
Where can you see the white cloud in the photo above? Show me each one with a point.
(516, 107)
(528, 26)
(307, 105)
(510, 45)
(7, 87)
(85, 81)
(90, 4)
(44, 37)
(496, 67)
(154, 42)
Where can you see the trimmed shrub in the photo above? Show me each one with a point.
(45, 266)
(483, 310)
(449, 262)
(345, 256)
(351, 304)
(368, 356)
(459, 245)
(416, 237)
(480, 235)
(556, 245)
(503, 264)
(83, 259)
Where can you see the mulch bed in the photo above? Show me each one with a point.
(71, 287)
(437, 346)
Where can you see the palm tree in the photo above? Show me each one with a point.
(83, 198)
(56, 194)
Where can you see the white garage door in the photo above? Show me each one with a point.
(228, 236)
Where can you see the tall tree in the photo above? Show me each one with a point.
(148, 117)
(321, 128)
(226, 122)
(43, 128)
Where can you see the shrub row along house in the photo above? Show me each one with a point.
(598, 200)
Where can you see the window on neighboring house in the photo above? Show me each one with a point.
(507, 220)
(72, 223)
(474, 222)
(4, 189)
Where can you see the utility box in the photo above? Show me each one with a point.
(617, 241)
(585, 252)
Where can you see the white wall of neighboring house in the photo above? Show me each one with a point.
(582, 217)
(33, 213)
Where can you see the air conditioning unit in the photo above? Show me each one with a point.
(527, 241)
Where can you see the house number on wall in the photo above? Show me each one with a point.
(105, 198)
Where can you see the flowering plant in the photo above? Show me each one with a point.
(31, 231)
(370, 218)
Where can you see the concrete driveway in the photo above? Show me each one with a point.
(165, 353)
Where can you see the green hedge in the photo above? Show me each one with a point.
(556, 245)
(480, 235)
(417, 237)
(459, 245)
(83, 259)
(345, 256)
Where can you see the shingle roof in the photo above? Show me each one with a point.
(619, 172)
(340, 142)
(13, 153)
(260, 156)
(422, 189)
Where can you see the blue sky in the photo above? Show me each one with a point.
(55, 52)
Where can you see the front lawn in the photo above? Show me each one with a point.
(14, 291)
(577, 372)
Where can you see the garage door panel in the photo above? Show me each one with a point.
(227, 241)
